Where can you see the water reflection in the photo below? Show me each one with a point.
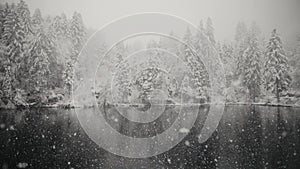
(247, 137)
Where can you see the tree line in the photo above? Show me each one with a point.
(37, 53)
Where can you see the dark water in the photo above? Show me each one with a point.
(247, 137)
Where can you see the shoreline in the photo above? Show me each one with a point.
(69, 106)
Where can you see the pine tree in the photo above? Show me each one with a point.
(37, 19)
(3, 13)
(240, 47)
(24, 16)
(122, 73)
(201, 46)
(13, 39)
(240, 32)
(7, 84)
(200, 41)
(295, 63)
(39, 52)
(68, 76)
(210, 31)
(77, 34)
(64, 25)
(252, 70)
(277, 76)
(194, 63)
(226, 52)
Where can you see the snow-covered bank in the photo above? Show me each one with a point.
(72, 106)
(264, 104)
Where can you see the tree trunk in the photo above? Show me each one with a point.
(277, 91)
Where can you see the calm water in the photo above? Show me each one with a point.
(247, 137)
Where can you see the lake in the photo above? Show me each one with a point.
(246, 137)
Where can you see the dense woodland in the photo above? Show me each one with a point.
(38, 54)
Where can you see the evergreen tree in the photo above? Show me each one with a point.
(39, 52)
(3, 12)
(276, 73)
(37, 18)
(13, 39)
(122, 71)
(64, 25)
(77, 35)
(240, 47)
(252, 70)
(24, 16)
(200, 41)
(7, 84)
(201, 46)
(68, 76)
(210, 31)
(295, 63)
(240, 32)
(226, 52)
(194, 63)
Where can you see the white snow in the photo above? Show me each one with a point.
(22, 165)
(184, 130)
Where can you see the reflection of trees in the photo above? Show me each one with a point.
(281, 153)
(189, 153)
(250, 139)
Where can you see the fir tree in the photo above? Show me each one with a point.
(24, 16)
(210, 31)
(77, 35)
(68, 76)
(226, 52)
(276, 73)
(37, 18)
(39, 52)
(13, 39)
(240, 47)
(240, 32)
(122, 73)
(200, 41)
(7, 84)
(194, 63)
(252, 70)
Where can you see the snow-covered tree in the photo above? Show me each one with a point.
(148, 80)
(3, 12)
(13, 39)
(252, 69)
(226, 52)
(295, 63)
(37, 18)
(77, 35)
(240, 47)
(68, 75)
(276, 73)
(24, 16)
(122, 73)
(7, 84)
(199, 38)
(202, 47)
(39, 53)
(200, 77)
(240, 32)
(209, 30)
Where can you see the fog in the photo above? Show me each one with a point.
(268, 14)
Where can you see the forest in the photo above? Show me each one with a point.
(38, 55)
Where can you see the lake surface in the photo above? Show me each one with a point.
(246, 137)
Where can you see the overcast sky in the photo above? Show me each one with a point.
(268, 14)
